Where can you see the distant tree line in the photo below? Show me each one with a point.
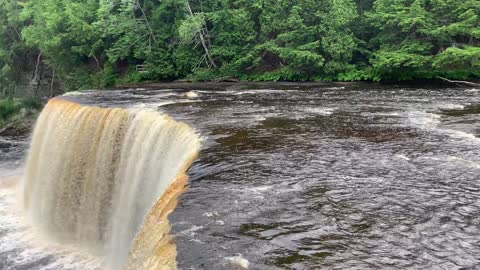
(98, 43)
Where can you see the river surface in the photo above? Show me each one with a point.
(305, 176)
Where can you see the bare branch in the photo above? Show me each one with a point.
(210, 61)
(147, 22)
(96, 60)
(459, 82)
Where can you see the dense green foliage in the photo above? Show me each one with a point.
(13, 52)
(100, 43)
(7, 108)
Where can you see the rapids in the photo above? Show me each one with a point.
(290, 176)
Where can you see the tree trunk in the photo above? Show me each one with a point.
(37, 76)
(51, 83)
(37, 65)
(202, 38)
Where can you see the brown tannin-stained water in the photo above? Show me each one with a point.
(304, 176)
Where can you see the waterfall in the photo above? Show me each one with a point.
(105, 180)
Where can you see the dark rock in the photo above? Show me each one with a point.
(9, 131)
(227, 79)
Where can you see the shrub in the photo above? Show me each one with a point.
(33, 103)
(8, 107)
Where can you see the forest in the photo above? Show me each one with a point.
(101, 43)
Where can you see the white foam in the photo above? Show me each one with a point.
(320, 111)
(457, 134)
(238, 262)
(334, 88)
(449, 106)
(210, 214)
(423, 120)
(261, 189)
(472, 90)
(402, 157)
(431, 121)
(246, 92)
(155, 105)
(259, 91)
(191, 94)
(21, 244)
(371, 114)
(73, 93)
(191, 232)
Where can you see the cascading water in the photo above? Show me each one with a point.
(105, 179)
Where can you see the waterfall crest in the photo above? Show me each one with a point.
(105, 180)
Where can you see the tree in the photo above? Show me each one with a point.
(12, 49)
(98, 43)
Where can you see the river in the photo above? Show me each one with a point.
(302, 176)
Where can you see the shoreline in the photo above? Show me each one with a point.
(201, 85)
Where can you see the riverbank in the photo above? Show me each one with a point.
(231, 84)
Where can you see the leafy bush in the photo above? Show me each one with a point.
(33, 103)
(8, 107)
